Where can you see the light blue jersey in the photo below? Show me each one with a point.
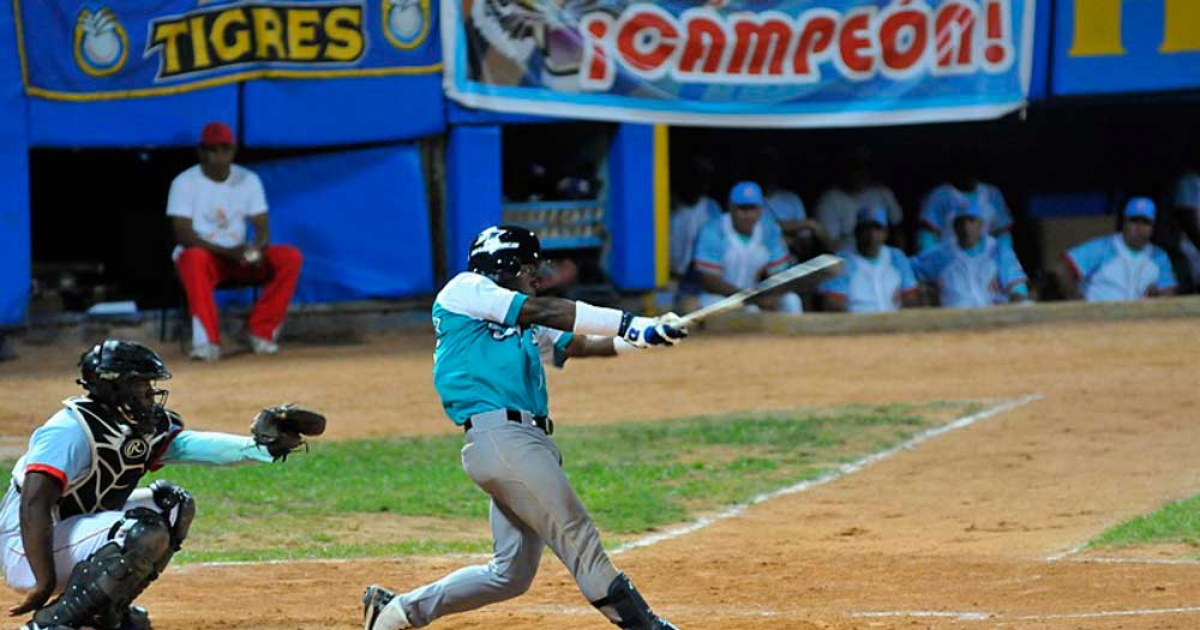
(944, 202)
(872, 285)
(981, 277)
(1109, 270)
(484, 361)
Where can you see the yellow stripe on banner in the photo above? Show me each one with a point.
(227, 79)
(662, 205)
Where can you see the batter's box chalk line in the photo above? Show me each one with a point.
(701, 523)
(833, 475)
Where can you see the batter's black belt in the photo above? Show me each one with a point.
(500, 416)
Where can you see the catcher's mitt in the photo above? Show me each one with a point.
(281, 429)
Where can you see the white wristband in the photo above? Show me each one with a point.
(620, 346)
(596, 320)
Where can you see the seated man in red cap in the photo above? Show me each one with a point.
(209, 205)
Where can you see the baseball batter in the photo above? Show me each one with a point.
(1121, 266)
(974, 270)
(492, 336)
(72, 521)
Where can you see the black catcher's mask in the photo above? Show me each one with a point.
(122, 375)
(500, 251)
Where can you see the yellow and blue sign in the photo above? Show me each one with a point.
(1115, 46)
(128, 50)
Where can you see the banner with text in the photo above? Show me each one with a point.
(103, 49)
(796, 63)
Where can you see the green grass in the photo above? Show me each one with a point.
(402, 496)
(1174, 523)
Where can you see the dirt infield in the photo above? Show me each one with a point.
(953, 534)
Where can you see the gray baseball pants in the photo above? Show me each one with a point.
(533, 505)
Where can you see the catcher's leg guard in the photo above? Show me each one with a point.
(115, 575)
(625, 607)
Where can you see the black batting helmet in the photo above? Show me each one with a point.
(501, 250)
(108, 372)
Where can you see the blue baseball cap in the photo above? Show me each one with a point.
(969, 209)
(1140, 208)
(746, 193)
(873, 214)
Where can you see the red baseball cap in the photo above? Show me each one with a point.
(216, 133)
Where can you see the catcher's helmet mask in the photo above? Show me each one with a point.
(123, 376)
(499, 252)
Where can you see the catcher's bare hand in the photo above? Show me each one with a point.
(281, 429)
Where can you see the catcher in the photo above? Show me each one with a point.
(72, 521)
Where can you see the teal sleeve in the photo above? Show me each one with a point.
(514, 309)
(217, 449)
(926, 239)
(560, 349)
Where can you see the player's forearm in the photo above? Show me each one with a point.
(713, 283)
(37, 534)
(214, 449)
(594, 346)
(1189, 222)
(556, 313)
(186, 236)
(1067, 282)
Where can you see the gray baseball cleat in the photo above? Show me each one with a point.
(33, 625)
(382, 611)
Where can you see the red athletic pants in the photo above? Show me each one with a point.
(201, 271)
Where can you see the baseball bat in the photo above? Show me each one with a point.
(821, 264)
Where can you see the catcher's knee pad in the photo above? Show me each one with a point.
(113, 576)
(625, 607)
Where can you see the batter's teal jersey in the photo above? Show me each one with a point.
(484, 361)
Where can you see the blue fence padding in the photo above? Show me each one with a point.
(1057, 206)
(1039, 83)
(15, 271)
(473, 189)
(160, 121)
(359, 217)
(458, 115)
(307, 112)
(631, 207)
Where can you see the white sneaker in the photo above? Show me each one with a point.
(263, 346)
(205, 352)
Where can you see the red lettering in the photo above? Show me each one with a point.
(816, 39)
(647, 40)
(705, 45)
(954, 29)
(854, 43)
(998, 49)
(904, 37)
(760, 41)
(598, 68)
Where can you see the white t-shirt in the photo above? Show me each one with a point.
(1187, 195)
(837, 210)
(218, 210)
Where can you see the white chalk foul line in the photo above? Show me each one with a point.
(991, 616)
(841, 471)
